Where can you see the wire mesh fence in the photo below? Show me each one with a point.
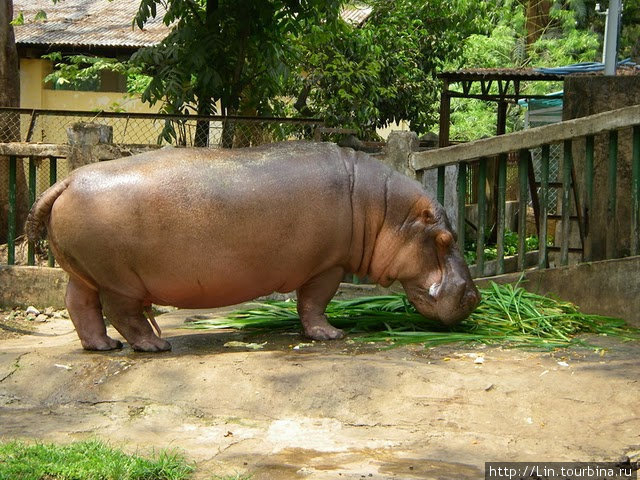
(49, 126)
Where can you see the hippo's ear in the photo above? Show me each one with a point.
(426, 216)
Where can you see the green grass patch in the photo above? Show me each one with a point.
(508, 315)
(89, 460)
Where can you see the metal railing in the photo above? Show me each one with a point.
(580, 186)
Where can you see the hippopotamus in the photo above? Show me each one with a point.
(204, 228)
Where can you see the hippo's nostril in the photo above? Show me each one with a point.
(470, 299)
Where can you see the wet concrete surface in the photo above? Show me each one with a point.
(324, 411)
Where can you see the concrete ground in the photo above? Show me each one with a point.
(324, 411)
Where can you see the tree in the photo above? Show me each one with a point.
(9, 97)
(504, 45)
(9, 66)
(220, 52)
(385, 70)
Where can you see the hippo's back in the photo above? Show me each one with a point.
(214, 222)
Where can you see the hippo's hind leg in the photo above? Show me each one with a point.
(313, 298)
(126, 315)
(85, 311)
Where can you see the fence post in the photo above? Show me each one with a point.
(611, 240)
(635, 192)
(567, 165)
(523, 200)
(83, 137)
(31, 256)
(587, 206)
(482, 216)
(544, 207)
(11, 230)
(53, 178)
(500, 214)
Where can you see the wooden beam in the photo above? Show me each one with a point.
(529, 138)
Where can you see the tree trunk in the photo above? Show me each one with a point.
(202, 126)
(537, 12)
(10, 122)
(9, 69)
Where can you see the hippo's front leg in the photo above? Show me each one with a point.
(313, 298)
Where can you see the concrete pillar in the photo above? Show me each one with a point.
(400, 144)
(83, 136)
(430, 182)
(587, 95)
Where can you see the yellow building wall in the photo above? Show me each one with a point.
(33, 93)
(52, 128)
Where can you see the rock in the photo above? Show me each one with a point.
(49, 311)
(42, 318)
(32, 310)
(58, 314)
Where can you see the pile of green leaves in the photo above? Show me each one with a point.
(90, 460)
(508, 315)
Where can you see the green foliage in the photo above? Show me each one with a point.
(89, 460)
(510, 247)
(251, 57)
(383, 71)
(235, 53)
(504, 46)
(76, 70)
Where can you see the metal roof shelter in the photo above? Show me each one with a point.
(508, 81)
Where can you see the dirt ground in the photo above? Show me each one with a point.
(327, 410)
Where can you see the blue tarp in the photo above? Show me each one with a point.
(584, 67)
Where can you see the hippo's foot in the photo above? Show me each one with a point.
(125, 314)
(85, 311)
(323, 331)
(154, 344)
(102, 344)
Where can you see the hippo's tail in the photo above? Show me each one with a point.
(38, 217)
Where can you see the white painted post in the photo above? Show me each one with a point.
(611, 39)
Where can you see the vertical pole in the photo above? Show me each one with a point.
(544, 207)
(462, 200)
(53, 177)
(11, 227)
(31, 257)
(635, 192)
(612, 172)
(440, 186)
(567, 164)
(445, 115)
(611, 40)
(523, 182)
(587, 204)
(482, 215)
(502, 200)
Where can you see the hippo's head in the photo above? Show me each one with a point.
(430, 267)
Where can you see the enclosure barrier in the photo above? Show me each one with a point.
(568, 133)
(49, 126)
(35, 155)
